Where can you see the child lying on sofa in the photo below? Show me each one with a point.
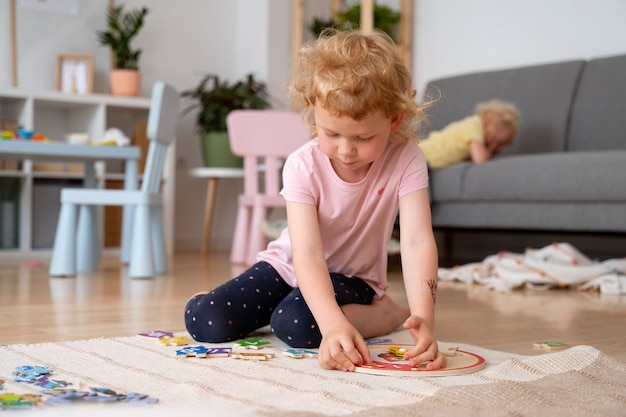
(478, 137)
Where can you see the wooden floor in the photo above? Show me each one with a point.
(37, 308)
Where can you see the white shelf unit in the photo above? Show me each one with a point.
(56, 114)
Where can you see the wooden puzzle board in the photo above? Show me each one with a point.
(385, 364)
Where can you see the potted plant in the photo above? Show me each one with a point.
(385, 19)
(214, 99)
(122, 27)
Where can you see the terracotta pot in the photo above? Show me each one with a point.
(125, 82)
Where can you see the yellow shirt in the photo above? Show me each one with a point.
(452, 144)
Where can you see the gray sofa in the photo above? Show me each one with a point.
(567, 169)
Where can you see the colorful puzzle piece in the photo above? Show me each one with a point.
(377, 341)
(191, 351)
(253, 356)
(254, 343)
(157, 334)
(550, 345)
(217, 352)
(300, 353)
(13, 401)
(397, 351)
(96, 395)
(175, 341)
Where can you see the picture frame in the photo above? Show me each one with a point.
(74, 73)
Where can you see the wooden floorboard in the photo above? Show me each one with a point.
(37, 308)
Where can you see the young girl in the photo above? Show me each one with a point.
(477, 138)
(322, 282)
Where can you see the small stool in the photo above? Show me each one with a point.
(212, 174)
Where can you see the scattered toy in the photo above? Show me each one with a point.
(155, 335)
(550, 345)
(300, 353)
(19, 401)
(377, 341)
(252, 356)
(192, 351)
(175, 341)
(254, 343)
(218, 352)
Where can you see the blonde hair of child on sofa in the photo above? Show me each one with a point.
(477, 138)
(323, 282)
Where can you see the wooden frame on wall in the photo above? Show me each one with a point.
(74, 73)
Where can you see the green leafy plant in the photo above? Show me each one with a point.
(216, 98)
(385, 19)
(121, 29)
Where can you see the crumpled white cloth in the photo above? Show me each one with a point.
(558, 265)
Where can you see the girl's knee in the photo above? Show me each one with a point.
(204, 324)
(297, 332)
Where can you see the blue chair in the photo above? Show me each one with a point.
(77, 246)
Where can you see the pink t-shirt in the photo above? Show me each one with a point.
(356, 219)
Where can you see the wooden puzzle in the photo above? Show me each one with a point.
(254, 343)
(550, 345)
(300, 353)
(175, 341)
(155, 335)
(252, 356)
(388, 362)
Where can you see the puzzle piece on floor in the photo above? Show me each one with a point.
(175, 341)
(97, 395)
(377, 341)
(300, 353)
(155, 335)
(253, 356)
(18, 401)
(192, 351)
(550, 345)
(218, 352)
(29, 374)
(254, 343)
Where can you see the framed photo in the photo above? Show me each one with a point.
(74, 73)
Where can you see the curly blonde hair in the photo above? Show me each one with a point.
(504, 114)
(354, 74)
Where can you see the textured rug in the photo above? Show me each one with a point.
(580, 381)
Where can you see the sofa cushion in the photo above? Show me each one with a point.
(594, 176)
(543, 94)
(598, 120)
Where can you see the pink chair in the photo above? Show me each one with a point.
(264, 138)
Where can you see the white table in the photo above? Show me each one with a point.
(88, 155)
(213, 175)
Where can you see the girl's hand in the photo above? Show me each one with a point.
(426, 348)
(343, 348)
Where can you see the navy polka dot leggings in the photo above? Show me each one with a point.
(259, 297)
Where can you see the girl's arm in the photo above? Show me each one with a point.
(479, 152)
(419, 266)
(342, 346)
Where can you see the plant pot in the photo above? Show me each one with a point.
(125, 82)
(216, 151)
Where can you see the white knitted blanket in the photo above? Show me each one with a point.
(559, 265)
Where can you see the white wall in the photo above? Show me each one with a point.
(183, 39)
(458, 36)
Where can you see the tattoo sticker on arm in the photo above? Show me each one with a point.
(432, 284)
